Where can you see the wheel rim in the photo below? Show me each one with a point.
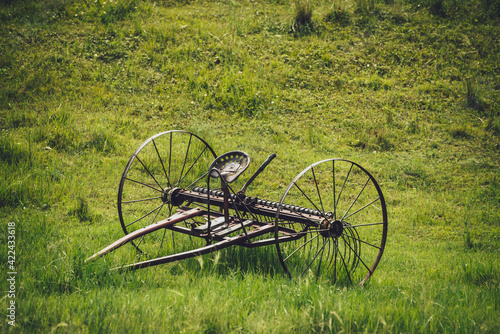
(163, 163)
(347, 238)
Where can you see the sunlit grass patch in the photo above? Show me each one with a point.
(480, 273)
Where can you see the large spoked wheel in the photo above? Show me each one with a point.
(340, 225)
(163, 163)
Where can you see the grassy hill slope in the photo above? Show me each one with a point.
(409, 90)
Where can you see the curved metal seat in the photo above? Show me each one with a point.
(230, 165)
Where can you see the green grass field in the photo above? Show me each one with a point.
(410, 90)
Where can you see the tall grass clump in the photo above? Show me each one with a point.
(365, 6)
(302, 20)
(339, 13)
(480, 273)
(473, 98)
(82, 210)
(399, 14)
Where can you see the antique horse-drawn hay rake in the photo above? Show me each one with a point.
(176, 201)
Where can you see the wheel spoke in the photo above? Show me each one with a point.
(170, 209)
(156, 215)
(367, 205)
(317, 189)
(165, 230)
(163, 237)
(310, 201)
(185, 159)
(343, 185)
(361, 225)
(195, 181)
(147, 170)
(336, 250)
(173, 240)
(170, 155)
(161, 161)
(192, 165)
(144, 184)
(147, 214)
(327, 240)
(345, 266)
(328, 260)
(357, 255)
(141, 200)
(334, 198)
(315, 256)
(140, 241)
(295, 251)
(359, 240)
(355, 200)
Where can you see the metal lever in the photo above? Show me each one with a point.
(261, 168)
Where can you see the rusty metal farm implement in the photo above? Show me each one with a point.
(176, 201)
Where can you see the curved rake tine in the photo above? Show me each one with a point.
(315, 256)
(345, 266)
(321, 258)
(301, 246)
(356, 254)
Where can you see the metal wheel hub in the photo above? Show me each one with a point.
(331, 229)
(171, 195)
